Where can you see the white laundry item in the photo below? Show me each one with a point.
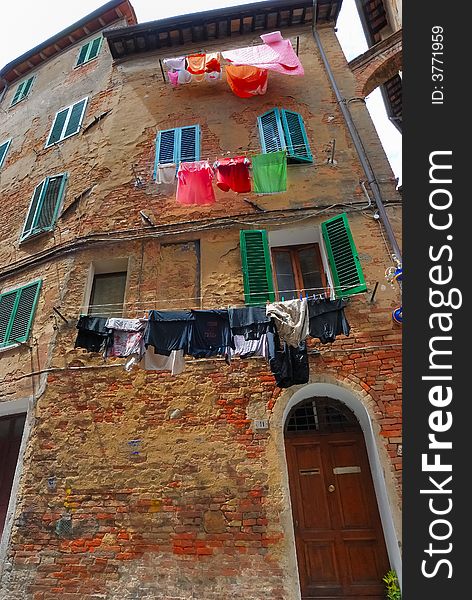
(184, 76)
(176, 63)
(291, 320)
(126, 343)
(213, 76)
(166, 173)
(125, 324)
(160, 362)
(246, 348)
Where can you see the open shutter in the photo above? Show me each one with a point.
(75, 119)
(271, 131)
(3, 151)
(342, 255)
(7, 303)
(83, 54)
(189, 147)
(33, 210)
(27, 87)
(58, 126)
(295, 136)
(18, 94)
(257, 270)
(50, 202)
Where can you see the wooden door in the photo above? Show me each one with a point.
(339, 539)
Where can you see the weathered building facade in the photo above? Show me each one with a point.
(133, 483)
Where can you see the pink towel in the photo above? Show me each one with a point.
(194, 183)
(276, 54)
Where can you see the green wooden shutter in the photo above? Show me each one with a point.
(83, 54)
(271, 132)
(52, 196)
(33, 211)
(94, 48)
(344, 261)
(57, 127)
(257, 270)
(17, 312)
(295, 135)
(22, 90)
(27, 86)
(3, 151)
(189, 145)
(75, 119)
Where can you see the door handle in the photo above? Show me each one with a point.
(331, 488)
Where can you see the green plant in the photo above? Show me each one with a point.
(393, 589)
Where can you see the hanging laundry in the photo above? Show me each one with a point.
(168, 330)
(184, 76)
(93, 333)
(248, 348)
(213, 76)
(128, 337)
(327, 319)
(166, 174)
(173, 77)
(289, 365)
(176, 63)
(233, 174)
(174, 363)
(196, 63)
(212, 62)
(246, 81)
(291, 320)
(251, 322)
(269, 172)
(194, 183)
(210, 334)
(198, 77)
(276, 54)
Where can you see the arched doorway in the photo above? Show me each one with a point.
(340, 546)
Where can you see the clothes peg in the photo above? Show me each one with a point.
(282, 299)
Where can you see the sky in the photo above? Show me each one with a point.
(26, 23)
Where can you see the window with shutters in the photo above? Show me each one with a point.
(67, 122)
(181, 144)
(44, 206)
(16, 313)
(89, 51)
(22, 91)
(283, 264)
(3, 151)
(281, 129)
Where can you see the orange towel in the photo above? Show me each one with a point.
(246, 81)
(196, 63)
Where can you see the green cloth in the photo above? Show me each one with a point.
(269, 172)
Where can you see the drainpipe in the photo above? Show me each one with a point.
(357, 142)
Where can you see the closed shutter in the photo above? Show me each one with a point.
(295, 136)
(3, 151)
(189, 144)
(27, 87)
(75, 119)
(50, 202)
(17, 312)
(271, 132)
(257, 270)
(24, 313)
(95, 48)
(83, 54)
(342, 255)
(33, 211)
(7, 302)
(165, 147)
(58, 126)
(18, 94)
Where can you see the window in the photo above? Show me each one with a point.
(3, 151)
(16, 313)
(11, 433)
(281, 129)
(89, 51)
(288, 270)
(22, 91)
(108, 294)
(181, 144)
(67, 122)
(44, 206)
(298, 270)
